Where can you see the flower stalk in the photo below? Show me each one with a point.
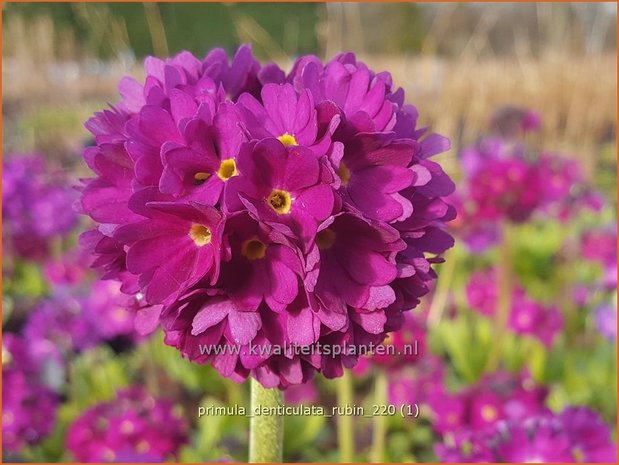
(379, 434)
(266, 432)
(505, 286)
(345, 430)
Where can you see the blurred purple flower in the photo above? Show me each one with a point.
(601, 246)
(480, 407)
(37, 205)
(606, 320)
(28, 405)
(526, 316)
(410, 385)
(575, 435)
(503, 180)
(73, 319)
(134, 424)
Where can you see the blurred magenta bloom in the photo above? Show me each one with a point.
(409, 385)
(606, 320)
(28, 404)
(132, 426)
(243, 206)
(505, 180)
(37, 205)
(526, 316)
(514, 122)
(73, 319)
(601, 246)
(480, 407)
(577, 434)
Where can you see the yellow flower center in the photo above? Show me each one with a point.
(578, 454)
(388, 340)
(253, 249)
(8, 418)
(120, 314)
(488, 413)
(287, 139)
(126, 427)
(280, 201)
(227, 169)
(200, 234)
(344, 173)
(200, 177)
(325, 239)
(6, 356)
(142, 447)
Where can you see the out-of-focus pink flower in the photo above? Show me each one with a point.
(132, 424)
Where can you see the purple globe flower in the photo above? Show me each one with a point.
(244, 207)
(134, 424)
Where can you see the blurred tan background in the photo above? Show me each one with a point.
(457, 62)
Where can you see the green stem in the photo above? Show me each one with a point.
(505, 287)
(266, 432)
(345, 430)
(379, 435)
(443, 286)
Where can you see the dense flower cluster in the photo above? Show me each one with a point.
(495, 397)
(72, 319)
(526, 316)
(577, 434)
(36, 205)
(28, 404)
(503, 180)
(132, 427)
(244, 205)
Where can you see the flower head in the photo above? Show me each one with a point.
(242, 206)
